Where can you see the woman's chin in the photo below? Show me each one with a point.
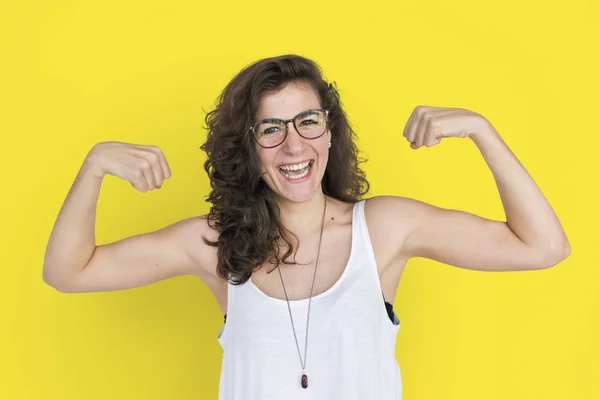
(297, 193)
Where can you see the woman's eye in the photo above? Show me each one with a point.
(269, 130)
(308, 122)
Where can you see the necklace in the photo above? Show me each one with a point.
(304, 379)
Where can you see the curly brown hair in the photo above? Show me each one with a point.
(244, 211)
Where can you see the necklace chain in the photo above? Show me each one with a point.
(303, 364)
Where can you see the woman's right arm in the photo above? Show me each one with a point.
(74, 263)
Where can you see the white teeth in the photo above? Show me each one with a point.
(294, 167)
(296, 176)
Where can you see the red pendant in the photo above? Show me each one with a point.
(304, 381)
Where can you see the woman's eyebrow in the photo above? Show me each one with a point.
(301, 114)
(305, 113)
(271, 120)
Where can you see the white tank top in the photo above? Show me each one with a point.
(351, 339)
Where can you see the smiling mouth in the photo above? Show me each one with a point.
(296, 171)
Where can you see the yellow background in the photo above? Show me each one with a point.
(74, 73)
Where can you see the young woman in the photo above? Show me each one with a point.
(303, 267)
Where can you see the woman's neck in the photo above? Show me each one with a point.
(303, 218)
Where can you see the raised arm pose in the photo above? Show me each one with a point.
(291, 248)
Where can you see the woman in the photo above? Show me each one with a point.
(287, 195)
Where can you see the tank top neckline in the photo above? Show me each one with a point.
(337, 283)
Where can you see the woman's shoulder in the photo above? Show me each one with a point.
(206, 226)
(391, 219)
(195, 232)
(392, 207)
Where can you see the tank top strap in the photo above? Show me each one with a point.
(369, 261)
(359, 228)
(362, 266)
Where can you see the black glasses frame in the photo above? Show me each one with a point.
(286, 122)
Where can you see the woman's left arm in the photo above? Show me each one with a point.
(532, 236)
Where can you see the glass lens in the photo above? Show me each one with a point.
(270, 132)
(311, 123)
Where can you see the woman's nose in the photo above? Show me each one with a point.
(293, 142)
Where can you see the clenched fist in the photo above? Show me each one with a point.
(427, 126)
(145, 167)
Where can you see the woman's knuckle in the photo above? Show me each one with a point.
(142, 164)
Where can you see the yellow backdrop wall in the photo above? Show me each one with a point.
(74, 73)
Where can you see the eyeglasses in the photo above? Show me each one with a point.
(271, 132)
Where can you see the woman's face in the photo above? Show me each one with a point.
(294, 169)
